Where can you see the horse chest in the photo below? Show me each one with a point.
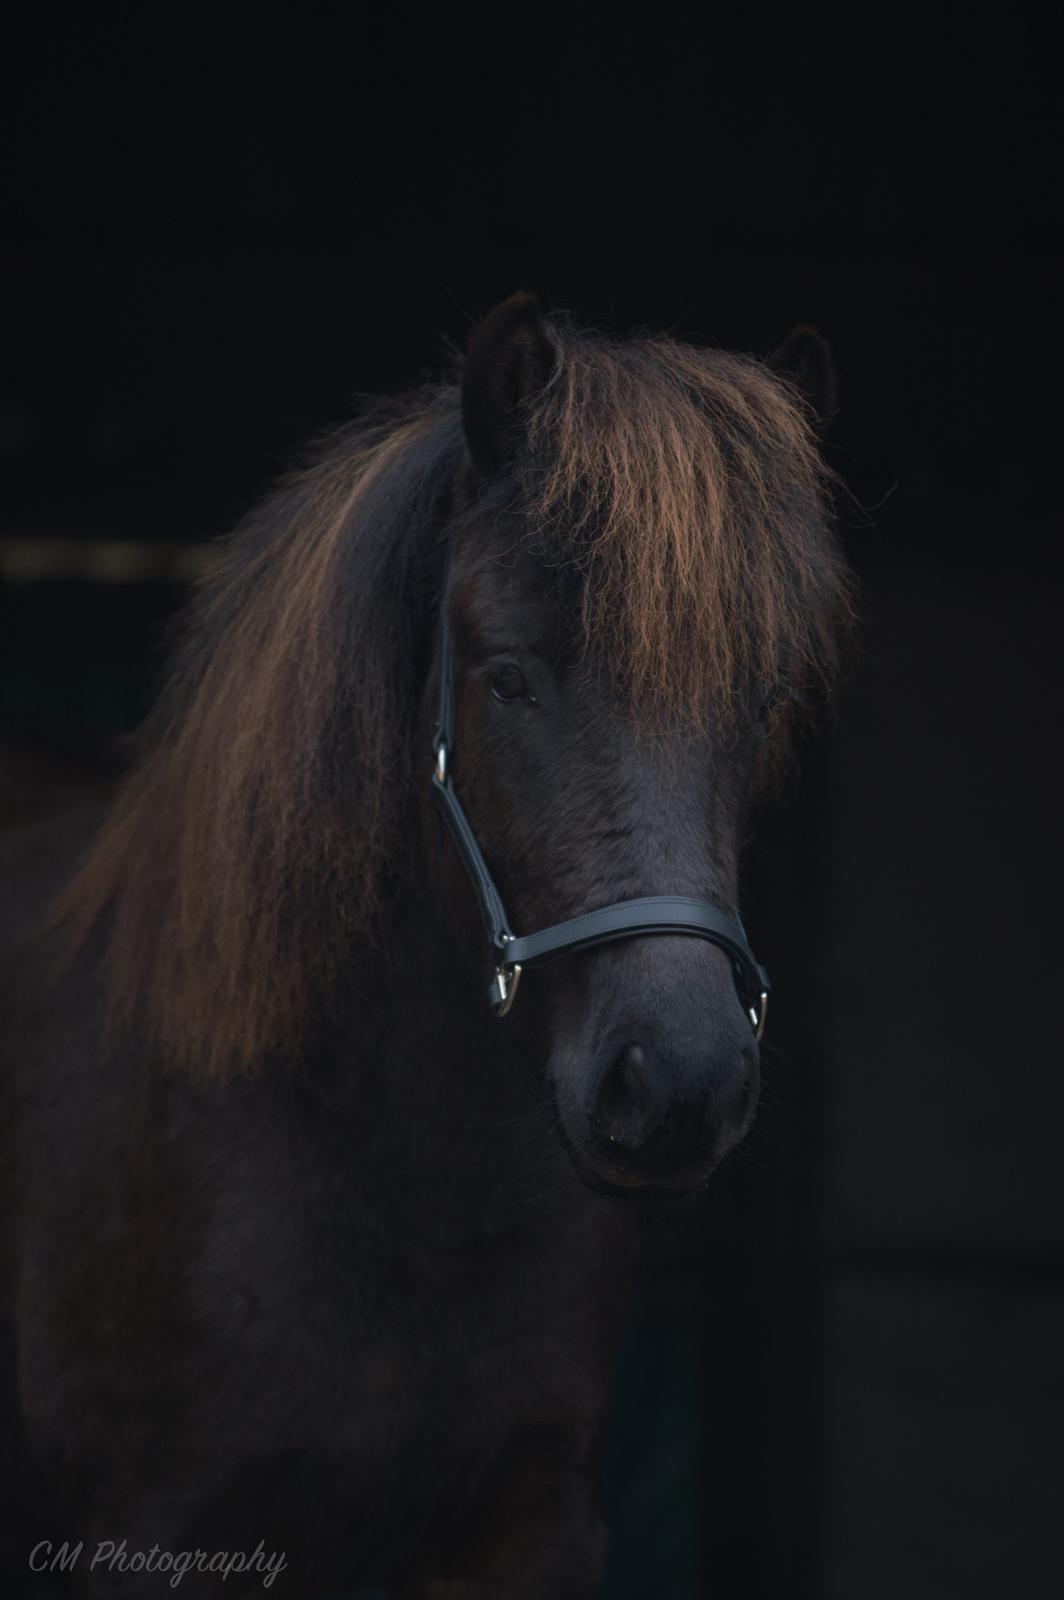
(396, 1334)
(404, 1400)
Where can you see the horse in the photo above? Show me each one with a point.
(318, 1168)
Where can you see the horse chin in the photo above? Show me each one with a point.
(617, 1184)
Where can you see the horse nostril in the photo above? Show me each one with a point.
(744, 1100)
(629, 1070)
(624, 1099)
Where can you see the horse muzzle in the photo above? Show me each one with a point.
(660, 1094)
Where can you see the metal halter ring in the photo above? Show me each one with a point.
(504, 988)
(758, 1013)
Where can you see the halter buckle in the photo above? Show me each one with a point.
(758, 1013)
(504, 987)
(441, 763)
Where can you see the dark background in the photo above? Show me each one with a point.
(844, 1379)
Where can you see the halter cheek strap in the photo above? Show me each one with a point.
(624, 919)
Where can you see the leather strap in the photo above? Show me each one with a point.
(652, 914)
(490, 901)
(443, 738)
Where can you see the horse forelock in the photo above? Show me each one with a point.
(689, 486)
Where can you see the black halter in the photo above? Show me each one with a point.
(625, 919)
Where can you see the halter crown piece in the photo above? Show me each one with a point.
(624, 919)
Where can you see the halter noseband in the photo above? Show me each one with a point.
(624, 919)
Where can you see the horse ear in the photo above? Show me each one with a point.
(509, 357)
(804, 358)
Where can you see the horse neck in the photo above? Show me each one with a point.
(417, 1102)
(441, 1038)
(418, 1033)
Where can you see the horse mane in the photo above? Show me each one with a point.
(254, 846)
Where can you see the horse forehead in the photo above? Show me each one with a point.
(502, 594)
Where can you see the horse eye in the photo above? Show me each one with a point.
(508, 683)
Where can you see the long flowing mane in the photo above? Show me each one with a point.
(255, 843)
